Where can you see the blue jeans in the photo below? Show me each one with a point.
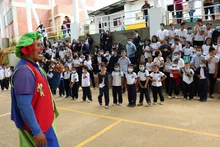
(179, 16)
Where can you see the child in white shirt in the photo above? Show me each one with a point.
(143, 79)
(157, 78)
(159, 59)
(187, 52)
(131, 79)
(74, 83)
(188, 74)
(116, 85)
(86, 84)
(149, 64)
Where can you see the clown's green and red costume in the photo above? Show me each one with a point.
(33, 109)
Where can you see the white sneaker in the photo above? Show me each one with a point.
(169, 97)
(162, 103)
(120, 104)
(89, 101)
(106, 107)
(184, 99)
(192, 99)
(176, 97)
(114, 105)
(155, 103)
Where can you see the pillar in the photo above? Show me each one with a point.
(2, 24)
(75, 26)
(28, 15)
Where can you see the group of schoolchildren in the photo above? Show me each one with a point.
(5, 74)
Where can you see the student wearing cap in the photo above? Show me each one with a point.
(33, 108)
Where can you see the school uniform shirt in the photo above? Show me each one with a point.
(212, 63)
(69, 64)
(205, 49)
(88, 64)
(178, 48)
(218, 51)
(157, 76)
(187, 51)
(156, 46)
(143, 75)
(2, 73)
(7, 72)
(130, 78)
(86, 80)
(117, 75)
(162, 34)
(62, 54)
(209, 33)
(77, 61)
(49, 51)
(50, 74)
(181, 63)
(53, 54)
(202, 73)
(74, 77)
(188, 79)
(181, 33)
(176, 68)
(147, 54)
(189, 37)
(68, 52)
(66, 75)
(157, 60)
(149, 66)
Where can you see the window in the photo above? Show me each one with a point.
(116, 21)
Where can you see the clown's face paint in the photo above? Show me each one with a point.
(37, 55)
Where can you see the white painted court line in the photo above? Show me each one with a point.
(10, 113)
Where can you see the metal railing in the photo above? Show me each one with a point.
(56, 31)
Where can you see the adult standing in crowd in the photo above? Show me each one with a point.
(162, 34)
(68, 21)
(137, 38)
(181, 34)
(108, 42)
(145, 8)
(198, 33)
(209, 30)
(103, 37)
(216, 34)
(131, 50)
(42, 29)
(179, 10)
(209, 6)
(114, 59)
(33, 109)
(90, 41)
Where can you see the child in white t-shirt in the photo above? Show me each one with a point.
(86, 84)
(131, 79)
(117, 75)
(157, 78)
(74, 83)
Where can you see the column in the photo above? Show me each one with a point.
(2, 24)
(28, 15)
(75, 26)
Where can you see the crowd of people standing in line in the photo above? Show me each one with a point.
(185, 59)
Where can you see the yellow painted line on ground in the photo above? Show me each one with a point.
(98, 134)
(142, 123)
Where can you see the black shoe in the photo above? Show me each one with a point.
(140, 104)
(128, 105)
(133, 105)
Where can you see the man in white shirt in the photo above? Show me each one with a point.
(181, 34)
(172, 34)
(198, 32)
(209, 30)
(213, 62)
(162, 34)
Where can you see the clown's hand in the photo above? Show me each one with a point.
(59, 68)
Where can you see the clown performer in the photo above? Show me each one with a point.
(33, 109)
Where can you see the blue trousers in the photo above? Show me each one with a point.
(104, 91)
(144, 92)
(203, 89)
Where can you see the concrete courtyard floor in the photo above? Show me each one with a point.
(178, 123)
